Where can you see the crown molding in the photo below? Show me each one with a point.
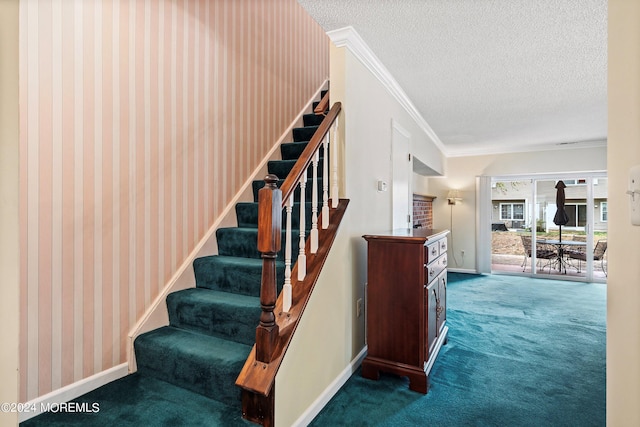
(348, 37)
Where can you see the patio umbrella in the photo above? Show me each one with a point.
(561, 218)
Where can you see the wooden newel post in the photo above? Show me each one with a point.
(269, 241)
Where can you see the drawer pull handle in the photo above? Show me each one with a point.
(439, 308)
(434, 250)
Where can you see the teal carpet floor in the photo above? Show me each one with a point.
(521, 352)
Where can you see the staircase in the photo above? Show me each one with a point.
(212, 327)
(202, 368)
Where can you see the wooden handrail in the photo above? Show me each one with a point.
(290, 183)
(322, 106)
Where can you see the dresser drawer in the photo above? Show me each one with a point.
(432, 251)
(443, 246)
(435, 267)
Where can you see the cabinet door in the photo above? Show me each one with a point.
(431, 317)
(442, 300)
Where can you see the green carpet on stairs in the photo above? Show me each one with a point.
(521, 352)
(187, 370)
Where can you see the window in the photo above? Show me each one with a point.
(512, 211)
(603, 211)
(575, 181)
(577, 214)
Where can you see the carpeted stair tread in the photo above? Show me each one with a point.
(222, 314)
(232, 274)
(198, 362)
(243, 242)
(292, 150)
(304, 133)
(312, 119)
(281, 168)
(247, 215)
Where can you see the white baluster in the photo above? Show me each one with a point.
(334, 165)
(286, 290)
(314, 204)
(325, 183)
(302, 258)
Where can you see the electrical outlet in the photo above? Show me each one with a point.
(359, 307)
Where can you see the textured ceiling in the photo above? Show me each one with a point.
(490, 75)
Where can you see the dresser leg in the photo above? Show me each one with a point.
(419, 383)
(370, 372)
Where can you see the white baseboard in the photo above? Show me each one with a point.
(72, 391)
(315, 408)
(462, 270)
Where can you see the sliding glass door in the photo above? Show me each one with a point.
(511, 220)
(528, 236)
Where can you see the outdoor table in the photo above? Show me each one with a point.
(560, 247)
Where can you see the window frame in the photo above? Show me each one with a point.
(511, 211)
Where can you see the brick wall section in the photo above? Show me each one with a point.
(423, 211)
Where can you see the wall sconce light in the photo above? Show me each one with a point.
(453, 197)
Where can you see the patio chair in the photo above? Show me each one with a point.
(542, 252)
(598, 255)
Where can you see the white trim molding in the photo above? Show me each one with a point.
(324, 398)
(348, 37)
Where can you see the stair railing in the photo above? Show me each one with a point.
(323, 105)
(274, 332)
(271, 201)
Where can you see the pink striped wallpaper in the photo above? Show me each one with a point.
(139, 122)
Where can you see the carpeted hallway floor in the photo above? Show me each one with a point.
(521, 352)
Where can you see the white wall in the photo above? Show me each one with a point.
(461, 173)
(330, 335)
(9, 212)
(623, 288)
(420, 185)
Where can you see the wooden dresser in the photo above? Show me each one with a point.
(406, 303)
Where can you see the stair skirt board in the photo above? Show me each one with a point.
(156, 314)
(211, 327)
